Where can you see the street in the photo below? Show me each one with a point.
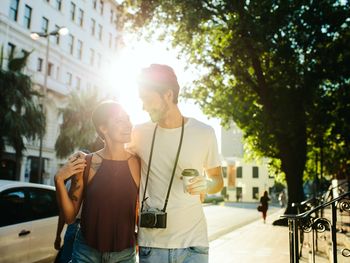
(238, 234)
(224, 218)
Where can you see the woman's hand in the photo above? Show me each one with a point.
(57, 243)
(75, 165)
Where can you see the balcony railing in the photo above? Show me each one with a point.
(320, 225)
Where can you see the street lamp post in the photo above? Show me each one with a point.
(36, 35)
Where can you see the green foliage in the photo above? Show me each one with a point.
(20, 113)
(77, 130)
(276, 68)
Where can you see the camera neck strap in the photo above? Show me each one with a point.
(174, 169)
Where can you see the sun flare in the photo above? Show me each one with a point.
(121, 79)
(121, 75)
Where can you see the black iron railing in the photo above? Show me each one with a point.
(314, 221)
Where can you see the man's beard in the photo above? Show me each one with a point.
(159, 114)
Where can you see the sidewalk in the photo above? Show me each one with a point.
(255, 242)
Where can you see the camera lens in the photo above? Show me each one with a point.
(149, 219)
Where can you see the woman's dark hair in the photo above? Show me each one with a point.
(103, 112)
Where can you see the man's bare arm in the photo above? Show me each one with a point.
(215, 182)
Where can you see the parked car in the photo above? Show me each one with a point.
(28, 221)
(213, 198)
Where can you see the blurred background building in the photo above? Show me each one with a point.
(76, 61)
(244, 181)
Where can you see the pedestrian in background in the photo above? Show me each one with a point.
(264, 201)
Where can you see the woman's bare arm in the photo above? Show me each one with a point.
(70, 202)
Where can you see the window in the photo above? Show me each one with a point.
(57, 72)
(101, 7)
(81, 17)
(93, 26)
(92, 57)
(77, 83)
(80, 49)
(42, 203)
(111, 18)
(14, 207)
(239, 194)
(72, 11)
(58, 4)
(239, 172)
(99, 59)
(50, 69)
(44, 25)
(71, 44)
(39, 66)
(14, 10)
(69, 79)
(100, 29)
(224, 171)
(255, 193)
(255, 172)
(27, 16)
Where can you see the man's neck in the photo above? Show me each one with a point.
(172, 120)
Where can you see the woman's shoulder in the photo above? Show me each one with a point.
(131, 157)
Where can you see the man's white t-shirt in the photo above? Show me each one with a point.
(186, 223)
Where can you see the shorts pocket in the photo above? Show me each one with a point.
(199, 250)
(145, 252)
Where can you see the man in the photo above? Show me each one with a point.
(184, 239)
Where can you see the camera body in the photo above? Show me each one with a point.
(153, 218)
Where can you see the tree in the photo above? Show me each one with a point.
(77, 130)
(266, 65)
(20, 113)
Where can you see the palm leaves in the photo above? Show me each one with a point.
(77, 130)
(20, 112)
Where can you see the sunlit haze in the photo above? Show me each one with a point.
(121, 80)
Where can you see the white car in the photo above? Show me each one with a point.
(28, 222)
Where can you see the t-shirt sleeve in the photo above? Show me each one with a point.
(213, 157)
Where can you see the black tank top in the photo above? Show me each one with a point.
(108, 214)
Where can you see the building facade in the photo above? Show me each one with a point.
(76, 61)
(244, 181)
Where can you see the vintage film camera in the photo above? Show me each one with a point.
(153, 218)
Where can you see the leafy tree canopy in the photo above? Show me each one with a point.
(77, 130)
(20, 113)
(279, 69)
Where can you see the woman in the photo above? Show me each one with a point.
(107, 183)
(264, 200)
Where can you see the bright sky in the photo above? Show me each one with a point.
(123, 73)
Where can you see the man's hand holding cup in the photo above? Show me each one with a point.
(193, 183)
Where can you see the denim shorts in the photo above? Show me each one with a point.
(82, 253)
(67, 248)
(177, 255)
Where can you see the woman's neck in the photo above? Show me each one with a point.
(114, 152)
